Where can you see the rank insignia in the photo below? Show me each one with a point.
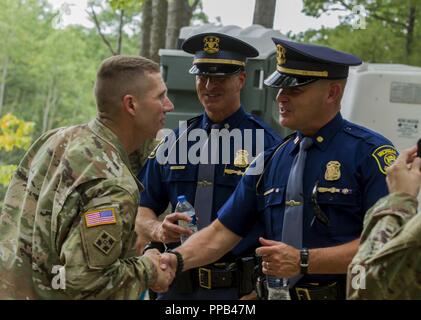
(385, 156)
(280, 54)
(105, 242)
(211, 44)
(333, 171)
(241, 159)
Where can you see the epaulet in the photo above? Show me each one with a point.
(268, 129)
(193, 120)
(369, 136)
(382, 149)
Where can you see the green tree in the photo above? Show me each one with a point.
(391, 32)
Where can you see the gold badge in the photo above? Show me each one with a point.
(241, 159)
(211, 44)
(280, 54)
(385, 156)
(333, 171)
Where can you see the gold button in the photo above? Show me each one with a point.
(319, 139)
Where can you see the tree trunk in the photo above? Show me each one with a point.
(120, 32)
(159, 24)
(410, 28)
(178, 12)
(145, 28)
(264, 13)
(3, 82)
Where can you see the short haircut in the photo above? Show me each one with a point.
(118, 76)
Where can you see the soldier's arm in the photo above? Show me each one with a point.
(205, 246)
(380, 269)
(95, 251)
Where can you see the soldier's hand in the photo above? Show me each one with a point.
(279, 259)
(169, 231)
(164, 276)
(404, 174)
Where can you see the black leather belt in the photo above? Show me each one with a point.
(332, 291)
(218, 275)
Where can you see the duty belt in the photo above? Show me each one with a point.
(239, 274)
(310, 291)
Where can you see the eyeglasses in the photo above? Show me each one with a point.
(318, 212)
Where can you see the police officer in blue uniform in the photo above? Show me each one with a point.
(219, 62)
(316, 185)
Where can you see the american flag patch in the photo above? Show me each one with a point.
(100, 217)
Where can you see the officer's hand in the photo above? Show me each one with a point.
(169, 231)
(168, 261)
(279, 259)
(164, 276)
(405, 175)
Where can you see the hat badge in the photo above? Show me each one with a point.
(211, 44)
(241, 159)
(280, 54)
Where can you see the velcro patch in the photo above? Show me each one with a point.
(105, 242)
(385, 156)
(100, 217)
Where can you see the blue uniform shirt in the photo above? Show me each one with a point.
(348, 163)
(164, 182)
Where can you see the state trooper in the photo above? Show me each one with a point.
(219, 65)
(316, 185)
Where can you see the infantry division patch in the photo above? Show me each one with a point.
(385, 156)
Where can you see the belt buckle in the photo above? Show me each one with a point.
(303, 293)
(205, 278)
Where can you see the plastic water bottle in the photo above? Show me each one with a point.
(184, 206)
(278, 288)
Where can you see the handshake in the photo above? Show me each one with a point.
(166, 268)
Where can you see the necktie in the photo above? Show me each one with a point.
(205, 182)
(292, 229)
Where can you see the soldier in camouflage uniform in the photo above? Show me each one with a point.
(388, 262)
(67, 224)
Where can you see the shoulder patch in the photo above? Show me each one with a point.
(385, 156)
(100, 217)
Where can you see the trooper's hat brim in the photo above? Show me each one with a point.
(281, 80)
(215, 69)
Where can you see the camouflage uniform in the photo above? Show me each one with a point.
(68, 175)
(140, 156)
(389, 251)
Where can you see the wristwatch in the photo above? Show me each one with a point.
(304, 260)
(180, 261)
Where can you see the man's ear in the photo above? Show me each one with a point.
(242, 78)
(335, 92)
(129, 104)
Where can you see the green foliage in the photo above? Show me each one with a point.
(14, 133)
(6, 173)
(385, 38)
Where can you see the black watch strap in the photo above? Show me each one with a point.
(180, 261)
(304, 254)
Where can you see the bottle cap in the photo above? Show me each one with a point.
(181, 198)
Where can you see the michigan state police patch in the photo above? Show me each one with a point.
(385, 156)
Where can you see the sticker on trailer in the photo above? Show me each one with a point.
(408, 128)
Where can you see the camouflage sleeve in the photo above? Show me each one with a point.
(385, 264)
(94, 252)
